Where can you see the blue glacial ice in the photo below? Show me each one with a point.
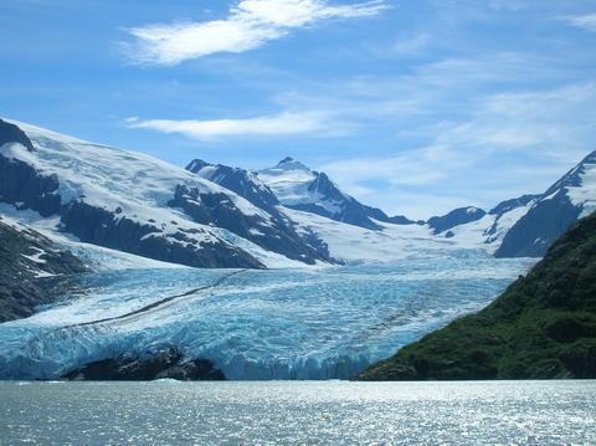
(320, 323)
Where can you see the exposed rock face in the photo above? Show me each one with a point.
(272, 232)
(536, 231)
(244, 183)
(105, 228)
(381, 216)
(455, 218)
(10, 133)
(543, 326)
(161, 365)
(21, 184)
(33, 270)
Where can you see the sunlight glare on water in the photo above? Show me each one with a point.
(270, 413)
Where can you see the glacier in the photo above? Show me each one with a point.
(316, 323)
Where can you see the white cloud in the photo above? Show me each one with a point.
(506, 144)
(275, 125)
(417, 167)
(587, 21)
(249, 25)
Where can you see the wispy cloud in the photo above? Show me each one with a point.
(249, 25)
(274, 125)
(544, 132)
(587, 22)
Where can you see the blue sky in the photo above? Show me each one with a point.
(414, 106)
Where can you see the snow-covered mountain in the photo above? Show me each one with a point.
(527, 226)
(249, 186)
(243, 182)
(211, 215)
(298, 187)
(134, 203)
(454, 218)
(552, 213)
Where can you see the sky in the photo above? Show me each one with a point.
(413, 106)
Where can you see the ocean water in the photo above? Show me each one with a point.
(321, 323)
(307, 412)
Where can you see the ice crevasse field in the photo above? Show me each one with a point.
(306, 323)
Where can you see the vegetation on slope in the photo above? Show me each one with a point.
(543, 326)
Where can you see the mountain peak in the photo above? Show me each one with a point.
(590, 159)
(289, 163)
(196, 165)
(11, 133)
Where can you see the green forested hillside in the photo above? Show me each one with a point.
(542, 326)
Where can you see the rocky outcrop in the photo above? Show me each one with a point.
(23, 186)
(166, 364)
(10, 133)
(33, 270)
(509, 205)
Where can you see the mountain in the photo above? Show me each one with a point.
(211, 215)
(298, 187)
(241, 181)
(525, 226)
(33, 270)
(137, 204)
(455, 218)
(573, 196)
(247, 185)
(543, 326)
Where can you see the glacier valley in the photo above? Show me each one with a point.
(317, 323)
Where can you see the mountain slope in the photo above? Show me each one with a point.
(31, 267)
(543, 326)
(247, 185)
(528, 225)
(241, 181)
(455, 218)
(573, 196)
(134, 203)
(298, 187)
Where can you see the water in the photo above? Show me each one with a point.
(332, 412)
(278, 324)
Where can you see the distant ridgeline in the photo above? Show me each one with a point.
(543, 326)
(216, 216)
